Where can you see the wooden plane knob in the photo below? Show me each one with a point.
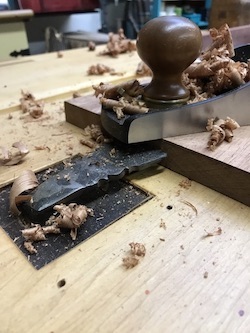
(168, 45)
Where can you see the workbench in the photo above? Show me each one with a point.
(187, 281)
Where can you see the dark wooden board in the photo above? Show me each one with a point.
(226, 170)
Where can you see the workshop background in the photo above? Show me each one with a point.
(45, 26)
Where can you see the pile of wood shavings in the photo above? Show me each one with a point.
(93, 136)
(215, 72)
(99, 69)
(117, 44)
(124, 98)
(221, 130)
(69, 217)
(136, 250)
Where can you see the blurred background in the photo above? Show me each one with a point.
(52, 25)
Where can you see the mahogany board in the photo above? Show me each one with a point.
(225, 170)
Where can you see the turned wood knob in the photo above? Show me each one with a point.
(168, 45)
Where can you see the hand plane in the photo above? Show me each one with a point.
(168, 45)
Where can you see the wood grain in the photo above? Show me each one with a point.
(226, 170)
(187, 282)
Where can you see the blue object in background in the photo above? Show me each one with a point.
(13, 4)
(156, 8)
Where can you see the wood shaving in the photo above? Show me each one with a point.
(42, 148)
(59, 54)
(221, 130)
(124, 106)
(88, 143)
(186, 184)
(132, 260)
(34, 233)
(132, 88)
(214, 233)
(117, 44)
(215, 72)
(138, 249)
(91, 46)
(143, 70)
(25, 182)
(30, 105)
(96, 136)
(37, 233)
(76, 94)
(190, 205)
(99, 69)
(71, 217)
(8, 158)
(30, 247)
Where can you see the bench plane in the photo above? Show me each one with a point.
(177, 45)
(168, 45)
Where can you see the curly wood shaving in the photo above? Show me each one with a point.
(37, 233)
(215, 72)
(117, 44)
(191, 206)
(30, 247)
(130, 262)
(214, 233)
(25, 182)
(34, 233)
(221, 37)
(125, 107)
(9, 158)
(138, 249)
(72, 217)
(108, 90)
(220, 130)
(99, 69)
(30, 105)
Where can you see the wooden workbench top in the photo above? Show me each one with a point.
(187, 282)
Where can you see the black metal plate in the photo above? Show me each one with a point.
(118, 200)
